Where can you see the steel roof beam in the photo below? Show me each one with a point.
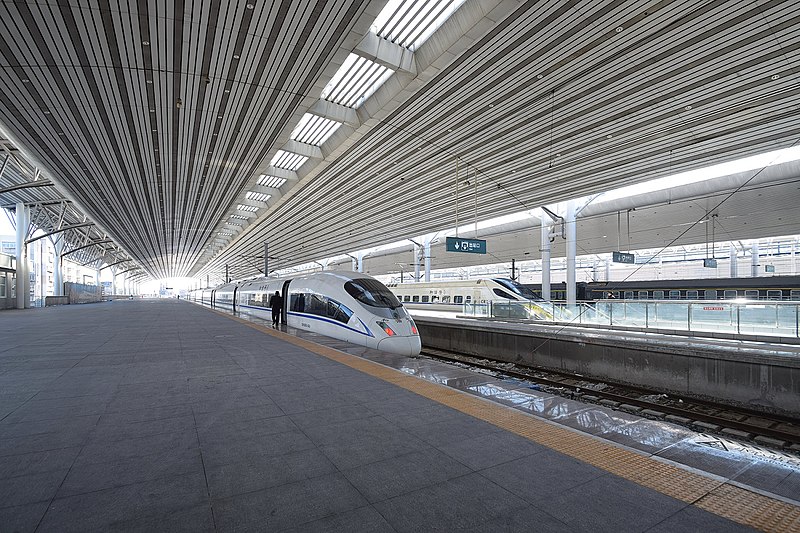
(65, 228)
(387, 54)
(304, 149)
(30, 185)
(288, 175)
(102, 241)
(335, 112)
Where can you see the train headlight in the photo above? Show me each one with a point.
(386, 328)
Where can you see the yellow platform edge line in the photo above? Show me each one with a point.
(713, 495)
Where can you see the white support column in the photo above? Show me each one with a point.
(357, 262)
(734, 263)
(22, 256)
(416, 262)
(754, 260)
(42, 271)
(114, 280)
(571, 227)
(58, 272)
(608, 269)
(545, 250)
(427, 260)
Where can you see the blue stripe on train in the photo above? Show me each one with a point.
(320, 318)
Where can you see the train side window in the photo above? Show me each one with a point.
(460, 299)
(643, 295)
(774, 294)
(415, 299)
(658, 295)
(794, 295)
(338, 311)
(332, 308)
(628, 295)
(468, 298)
(2, 284)
(316, 305)
(729, 295)
(406, 298)
(503, 294)
(425, 298)
(751, 294)
(445, 299)
(674, 295)
(343, 314)
(297, 302)
(434, 298)
(692, 295)
(710, 294)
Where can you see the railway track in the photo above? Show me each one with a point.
(776, 431)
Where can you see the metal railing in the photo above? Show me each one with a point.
(766, 318)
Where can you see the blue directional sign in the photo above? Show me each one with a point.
(470, 246)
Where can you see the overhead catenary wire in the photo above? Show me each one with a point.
(674, 240)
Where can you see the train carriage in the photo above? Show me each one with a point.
(344, 305)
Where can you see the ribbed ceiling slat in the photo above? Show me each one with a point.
(551, 100)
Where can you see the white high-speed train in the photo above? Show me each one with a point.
(350, 306)
(505, 296)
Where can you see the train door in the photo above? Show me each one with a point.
(212, 298)
(233, 303)
(285, 296)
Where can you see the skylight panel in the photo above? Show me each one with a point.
(411, 23)
(270, 181)
(239, 217)
(257, 196)
(355, 81)
(288, 160)
(706, 173)
(315, 130)
(225, 234)
(245, 207)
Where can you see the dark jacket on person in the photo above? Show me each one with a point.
(276, 302)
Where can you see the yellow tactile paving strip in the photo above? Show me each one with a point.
(716, 496)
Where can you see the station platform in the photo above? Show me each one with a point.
(759, 375)
(164, 415)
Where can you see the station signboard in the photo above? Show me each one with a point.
(470, 246)
(710, 263)
(622, 257)
(769, 268)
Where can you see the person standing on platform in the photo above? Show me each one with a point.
(276, 302)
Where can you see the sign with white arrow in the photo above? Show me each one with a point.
(470, 246)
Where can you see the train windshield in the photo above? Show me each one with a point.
(372, 292)
(518, 289)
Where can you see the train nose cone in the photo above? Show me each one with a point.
(401, 345)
